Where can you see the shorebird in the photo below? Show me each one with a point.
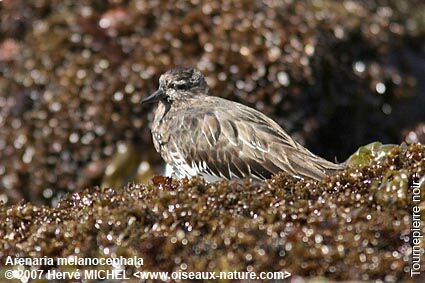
(202, 135)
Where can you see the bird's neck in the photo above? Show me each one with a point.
(161, 111)
(186, 101)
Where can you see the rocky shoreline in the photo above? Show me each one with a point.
(351, 226)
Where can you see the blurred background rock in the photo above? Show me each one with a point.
(335, 74)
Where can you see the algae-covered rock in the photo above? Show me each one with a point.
(354, 225)
(394, 189)
(126, 165)
(72, 78)
(368, 153)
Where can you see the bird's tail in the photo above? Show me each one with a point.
(312, 166)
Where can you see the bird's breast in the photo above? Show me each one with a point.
(160, 131)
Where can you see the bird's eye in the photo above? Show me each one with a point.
(180, 86)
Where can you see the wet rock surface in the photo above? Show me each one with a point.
(72, 78)
(351, 226)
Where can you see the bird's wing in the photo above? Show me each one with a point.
(238, 143)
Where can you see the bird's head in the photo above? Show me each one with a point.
(179, 84)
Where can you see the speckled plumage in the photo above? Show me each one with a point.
(198, 134)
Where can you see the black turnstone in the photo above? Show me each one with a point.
(215, 138)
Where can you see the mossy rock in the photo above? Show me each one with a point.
(354, 225)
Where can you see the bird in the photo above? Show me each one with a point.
(198, 134)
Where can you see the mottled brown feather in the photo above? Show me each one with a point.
(230, 140)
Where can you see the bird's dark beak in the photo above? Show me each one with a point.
(154, 97)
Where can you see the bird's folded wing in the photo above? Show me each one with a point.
(238, 144)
